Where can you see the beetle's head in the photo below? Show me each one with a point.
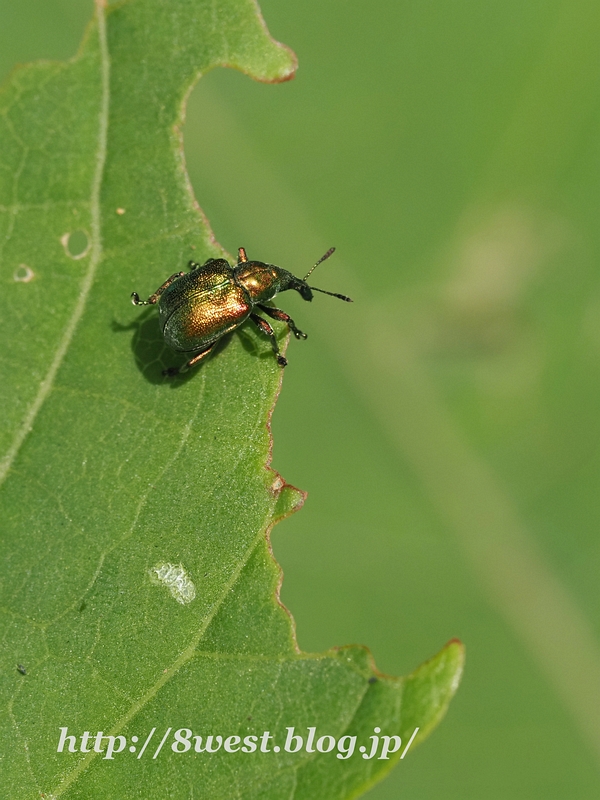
(264, 281)
(290, 281)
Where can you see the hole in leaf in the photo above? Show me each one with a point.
(23, 274)
(76, 244)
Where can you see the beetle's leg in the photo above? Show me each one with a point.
(171, 371)
(277, 313)
(264, 326)
(242, 257)
(153, 299)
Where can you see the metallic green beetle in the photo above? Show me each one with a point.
(197, 308)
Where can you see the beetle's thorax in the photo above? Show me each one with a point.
(261, 281)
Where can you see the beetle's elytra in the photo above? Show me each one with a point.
(198, 307)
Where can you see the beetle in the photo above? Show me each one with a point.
(198, 307)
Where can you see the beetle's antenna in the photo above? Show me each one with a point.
(332, 294)
(330, 252)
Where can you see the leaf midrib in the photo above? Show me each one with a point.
(94, 258)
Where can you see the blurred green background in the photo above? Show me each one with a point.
(446, 425)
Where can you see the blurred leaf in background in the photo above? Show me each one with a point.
(451, 153)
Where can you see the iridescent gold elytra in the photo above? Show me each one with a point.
(198, 307)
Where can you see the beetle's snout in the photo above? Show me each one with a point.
(305, 291)
(292, 282)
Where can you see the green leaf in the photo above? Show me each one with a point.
(138, 591)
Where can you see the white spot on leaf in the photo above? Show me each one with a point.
(177, 581)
